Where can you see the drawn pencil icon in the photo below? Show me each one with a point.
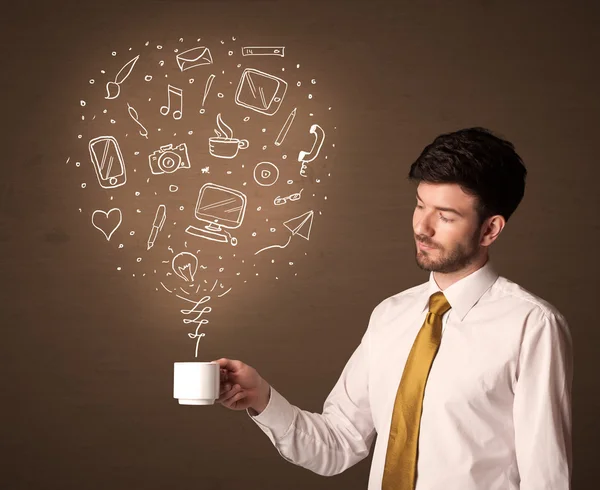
(285, 128)
(113, 89)
(159, 221)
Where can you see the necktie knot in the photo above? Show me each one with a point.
(438, 304)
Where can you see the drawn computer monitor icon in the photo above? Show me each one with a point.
(218, 208)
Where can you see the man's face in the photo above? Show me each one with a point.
(446, 228)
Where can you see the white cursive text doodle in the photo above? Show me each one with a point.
(198, 320)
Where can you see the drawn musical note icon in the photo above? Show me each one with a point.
(178, 95)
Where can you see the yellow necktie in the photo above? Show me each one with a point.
(401, 457)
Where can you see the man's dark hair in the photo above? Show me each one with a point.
(481, 163)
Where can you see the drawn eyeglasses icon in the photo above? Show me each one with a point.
(292, 197)
(295, 197)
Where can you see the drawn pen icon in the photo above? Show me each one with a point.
(285, 128)
(159, 221)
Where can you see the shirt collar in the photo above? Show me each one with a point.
(465, 293)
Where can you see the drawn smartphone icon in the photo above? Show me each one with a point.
(108, 161)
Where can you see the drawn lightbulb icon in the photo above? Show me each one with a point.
(185, 265)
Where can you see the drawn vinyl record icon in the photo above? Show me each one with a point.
(266, 174)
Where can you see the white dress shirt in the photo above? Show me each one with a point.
(497, 404)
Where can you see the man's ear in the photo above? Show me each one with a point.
(491, 229)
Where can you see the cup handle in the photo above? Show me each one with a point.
(243, 144)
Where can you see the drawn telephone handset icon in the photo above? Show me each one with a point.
(308, 156)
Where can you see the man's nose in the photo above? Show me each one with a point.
(423, 226)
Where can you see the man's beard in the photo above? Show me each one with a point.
(458, 258)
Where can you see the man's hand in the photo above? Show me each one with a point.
(242, 387)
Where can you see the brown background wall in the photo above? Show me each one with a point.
(87, 352)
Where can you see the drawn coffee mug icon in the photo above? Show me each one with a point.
(224, 145)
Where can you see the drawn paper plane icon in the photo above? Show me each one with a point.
(301, 225)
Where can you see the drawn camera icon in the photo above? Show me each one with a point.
(168, 158)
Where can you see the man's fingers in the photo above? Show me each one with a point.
(229, 364)
(224, 393)
(242, 394)
(227, 395)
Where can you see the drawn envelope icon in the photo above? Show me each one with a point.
(197, 56)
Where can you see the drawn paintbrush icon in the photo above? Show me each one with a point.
(113, 89)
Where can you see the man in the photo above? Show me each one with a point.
(472, 394)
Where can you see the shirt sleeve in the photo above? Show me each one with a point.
(330, 442)
(542, 404)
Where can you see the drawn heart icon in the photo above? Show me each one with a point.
(107, 223)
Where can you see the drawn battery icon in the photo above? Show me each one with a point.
(263, 51)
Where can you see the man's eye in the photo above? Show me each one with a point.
(446, 220)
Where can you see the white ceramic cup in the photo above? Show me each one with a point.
(196, 383)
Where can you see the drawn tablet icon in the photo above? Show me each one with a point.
(260, 91)
(108, 161)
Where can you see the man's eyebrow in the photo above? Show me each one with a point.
(449, 210)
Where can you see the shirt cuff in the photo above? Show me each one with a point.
(277, 417)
